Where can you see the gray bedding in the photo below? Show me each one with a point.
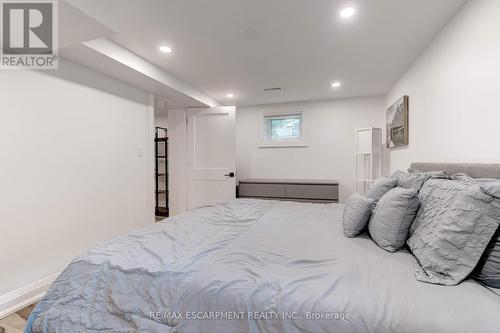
(260, 259)
(455, 223)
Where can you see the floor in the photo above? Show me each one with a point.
(16, 322)
(157, 219)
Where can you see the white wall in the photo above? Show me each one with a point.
(161, 120)
(177, 167)
(454, 92)
(161, 112)
(74, 170)
(330, 154)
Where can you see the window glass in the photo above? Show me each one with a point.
(283, 127)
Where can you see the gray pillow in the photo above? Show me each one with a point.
(408, 180)
(430, 174)
(487, 270)
(357, 212)
(416, 179)
(455, 223)
(392, 218)
(381, 187)
(488, 185)
(462, 177)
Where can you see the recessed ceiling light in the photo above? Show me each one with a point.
(336, 84)
(347, 12)
(230, 95)
(165, 49)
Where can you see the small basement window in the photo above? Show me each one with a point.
(283, 130)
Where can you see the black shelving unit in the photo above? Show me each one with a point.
(161, 171)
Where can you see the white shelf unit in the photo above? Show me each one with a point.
(368, 152)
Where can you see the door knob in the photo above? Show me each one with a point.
(229, 175)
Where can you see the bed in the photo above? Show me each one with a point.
(257, 266)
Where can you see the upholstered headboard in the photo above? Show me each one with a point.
(475, 170)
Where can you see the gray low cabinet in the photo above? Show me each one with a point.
(325, 191)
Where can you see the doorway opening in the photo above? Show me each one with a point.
(161, 160)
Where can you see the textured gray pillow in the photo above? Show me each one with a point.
(487, 270)
(357, 212)
(488, 185)
(430, 174)
(416, 179)
(455, 223)
(392, 218)
(381, 187)
(463, 178)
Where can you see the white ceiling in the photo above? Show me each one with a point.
(299, 45)
(89, 45)
(245, 46)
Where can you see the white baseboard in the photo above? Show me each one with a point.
(24, 296)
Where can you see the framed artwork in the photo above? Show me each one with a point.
(397, 124)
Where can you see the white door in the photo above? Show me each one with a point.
(211, 155)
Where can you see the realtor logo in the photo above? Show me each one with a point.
(29, 34)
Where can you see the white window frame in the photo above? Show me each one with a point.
(295, 142)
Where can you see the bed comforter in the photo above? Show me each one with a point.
(255, 266)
